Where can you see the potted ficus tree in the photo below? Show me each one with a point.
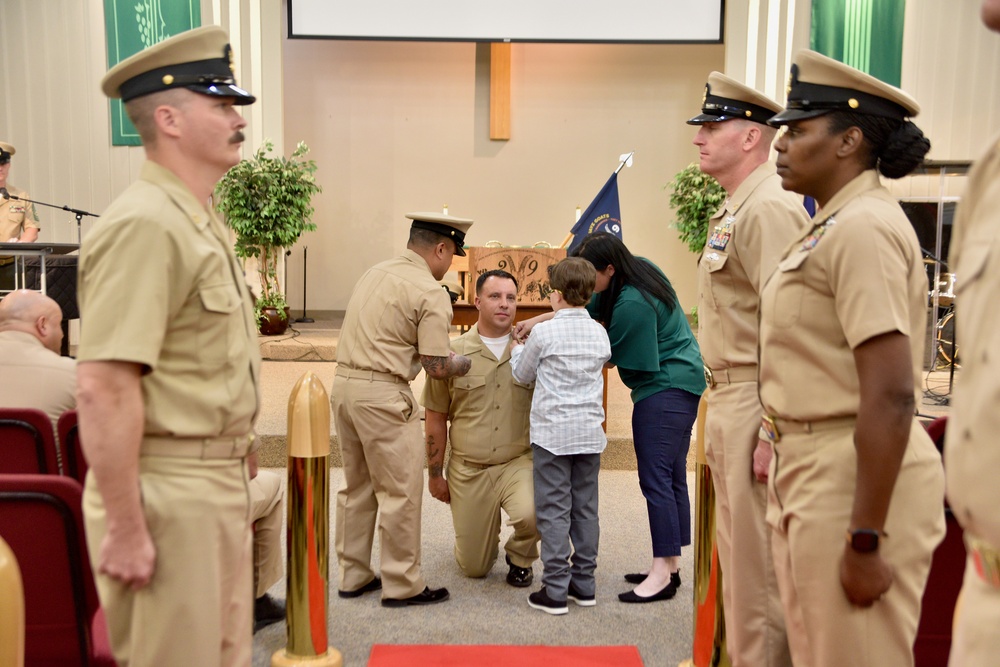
(267, 202)
(695, 196)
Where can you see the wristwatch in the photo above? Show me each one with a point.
(863, 540)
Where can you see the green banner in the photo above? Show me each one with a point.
(865, 34)
(133, 25)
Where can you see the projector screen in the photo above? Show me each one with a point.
(644, 21)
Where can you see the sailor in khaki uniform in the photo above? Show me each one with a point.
(856, 485)
(168, 372)
(972, 452)
(746, 238)
(490, 466)
(18, 220)
(397, 320)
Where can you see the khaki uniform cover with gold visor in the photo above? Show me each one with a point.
(972, 453)
(855, 274)
(161, 287)
(745, 239)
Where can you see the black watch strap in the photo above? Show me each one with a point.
(863, 540)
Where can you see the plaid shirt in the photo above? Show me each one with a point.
(565, 357)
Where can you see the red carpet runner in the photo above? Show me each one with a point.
(391, 655)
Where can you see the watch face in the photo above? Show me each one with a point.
(864, 541)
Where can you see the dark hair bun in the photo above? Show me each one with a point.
(904, 150)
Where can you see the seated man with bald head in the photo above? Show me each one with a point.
(34, 374)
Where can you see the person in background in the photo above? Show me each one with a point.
(168, 369)
(565, 357)
(856, 487)
(490, 464)
(972, 450)
(397, 321)
(746, 238)
(34, 374)
(18, 220)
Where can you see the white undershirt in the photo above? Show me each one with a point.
(496, 345)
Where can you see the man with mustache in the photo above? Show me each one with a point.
(168, 367)
(491, 463)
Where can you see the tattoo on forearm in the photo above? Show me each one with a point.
(435, 470)
(445, 367)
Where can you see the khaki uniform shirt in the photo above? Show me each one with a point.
(35, 376)
(972, 457)
(855, 274)
(489, 410)
(746, 238)
(159, 285)
(15, 217)
(396, 313)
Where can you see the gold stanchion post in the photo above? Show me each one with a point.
(308, 528)
(709, 645)
(11, 609)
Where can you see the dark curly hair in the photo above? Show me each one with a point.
(895, 147)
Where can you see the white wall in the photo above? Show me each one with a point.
(404, 126)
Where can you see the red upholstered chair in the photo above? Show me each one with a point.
(42, 521)
(73, 462)
(945, 581)
(27, 444)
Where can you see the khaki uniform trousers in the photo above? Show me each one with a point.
(976, 638)
(197, 610)
(811, 492)
(755, 624)
(266, 517)
(478, 492)
(381, 443)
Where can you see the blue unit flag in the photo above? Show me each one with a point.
(603, 215)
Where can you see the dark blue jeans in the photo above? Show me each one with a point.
(661, 430)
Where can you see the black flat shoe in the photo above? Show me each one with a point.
(427, 596)
(665, 593)
(373, 585)
(639, 577)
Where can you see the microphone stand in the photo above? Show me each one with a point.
(75, 211)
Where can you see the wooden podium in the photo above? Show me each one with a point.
(529, 266)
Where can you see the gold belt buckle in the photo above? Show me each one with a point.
(769, 426)
(709, 378)
(986, 560)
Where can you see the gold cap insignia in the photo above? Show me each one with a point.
(168, 79)
(853, 103)
(749, 113)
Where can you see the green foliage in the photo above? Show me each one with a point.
(267, 201)
(696, 196)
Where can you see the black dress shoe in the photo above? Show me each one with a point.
(427, 596)
(373, 585)
(665, 593)
(267, 610)
(519, 577)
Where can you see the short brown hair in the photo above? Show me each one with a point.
(574, 278)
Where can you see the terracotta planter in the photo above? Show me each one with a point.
(271, 323)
